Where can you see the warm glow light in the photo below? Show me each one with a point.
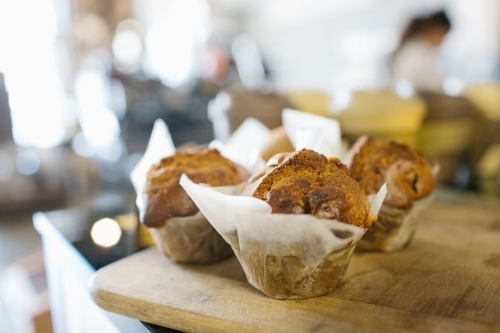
(90, 89)
(170, 44)
(100, 126)
(29, 63)
(127, 46)
(106, 232)
(170, 53)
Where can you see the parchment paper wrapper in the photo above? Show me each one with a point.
(394, 228)
(305, 130)
(189, 239)
(286, 256)
(244, 144)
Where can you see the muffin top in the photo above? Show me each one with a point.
(306, 182)
(405, 170)
(165, 198)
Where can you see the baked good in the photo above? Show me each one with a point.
(179, 230)
(306, 182)
(410, 185)
(405, 170)
(300, 245)
(286, 256)
(165, 198)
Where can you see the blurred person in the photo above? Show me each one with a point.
(417, 58)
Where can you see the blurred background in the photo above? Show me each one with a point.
(82, 82)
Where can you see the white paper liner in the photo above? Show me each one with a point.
(243, 145)
(394, 228)
(349, 156)
(305, 130)
(190, 239)
(283, 255)
(377, 200)
(160, 145)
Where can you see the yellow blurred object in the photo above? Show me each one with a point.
(445, 137)
(488, 170)
(489, 165)
(485, 141)
(444, 143)
(130, 223)
(486, 97)
(127, 222)
(144, 238)
(381, 114)
(311, 101)
(439, 137)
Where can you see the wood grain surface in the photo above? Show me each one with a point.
(447, 280)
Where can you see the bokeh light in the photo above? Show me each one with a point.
(127, 46)
(31, 74)
(170, 43)
(405, 89)
(27, 162)
(106, 232)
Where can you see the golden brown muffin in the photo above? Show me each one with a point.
(165, 198)
(405, 170)
(306, 182)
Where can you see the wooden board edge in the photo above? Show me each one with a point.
(170, 317)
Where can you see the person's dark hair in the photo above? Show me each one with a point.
(417, 25)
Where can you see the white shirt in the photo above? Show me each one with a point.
(418, 62)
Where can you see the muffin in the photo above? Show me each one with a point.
(410, 185)
(180, 231)
(293, 226)
(306, 182)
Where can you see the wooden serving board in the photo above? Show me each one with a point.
(447, 280)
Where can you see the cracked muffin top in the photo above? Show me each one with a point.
(165, 198)
(306, 182)
(405, 170)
